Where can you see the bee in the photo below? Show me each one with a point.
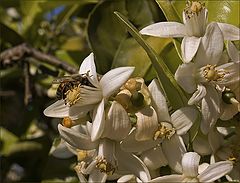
(67, 83)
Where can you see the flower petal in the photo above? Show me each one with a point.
(190, 162)
(97, 176)
(233, 52)
(114, 79)
(147, 124)
(174, 149)
(208, 52)
(189, 48)
(130, 144)
(159, 101)
(215, 171)
(132, 163)
(88, 66)
(185, 77)
(165, 29)
(210, 109)
(215, 140)
(197, 95)
(154, 158)
(98, 121)
(61, 150)
(230, 32)
(168, 178)
(232, 73)
(126, 178)
(76, 139)
(183, 118)
(57, 110)
(117, 125)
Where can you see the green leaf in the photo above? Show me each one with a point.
(157, 62)
(224, 11)
(10, 36)
(8, 139)
(107, 37)
(130, 53)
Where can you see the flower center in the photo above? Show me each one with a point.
(165, 130)
(104, 166)
(212, 74)
(193, 8)
(73, 95)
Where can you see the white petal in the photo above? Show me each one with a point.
(215, 171)
(147, 124)
(130, 144)
(190, 162)
(159, 101)
(232, 71)
(76, 139)
(61, 150)
(97, 176)
(230, 32)
(154, 158)
(114, 79)
(132, 163)
(174, 149)
(88, 66)
(57, 110)
(198, 95)
(211, 47)
(233, 52)
(228, 111)
(126, 178)
(117, 125)
(76, 112)
(98, 121)
(202, 167)
(168, 178)
(165, 29)
(185, 77)
(189, 48)
(210, 109)
(183, 118)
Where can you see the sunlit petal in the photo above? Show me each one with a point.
(230, 32)
(189, 48)
(197, 95)
(233, 52)
(168, 178)
(215, 171)
(114, 79)
(76, 139)
(185, 77)
(57, 110)
(117, 125)
(159, 101)
(190, 162)
(165, 29)
(183, 118)
(98, 121)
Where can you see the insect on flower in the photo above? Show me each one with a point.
(68, 83)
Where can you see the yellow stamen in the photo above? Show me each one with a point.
(211, 74)
(73, 95)
(104, 166)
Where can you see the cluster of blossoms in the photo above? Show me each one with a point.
(121, 129)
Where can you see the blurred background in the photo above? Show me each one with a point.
(44, 39)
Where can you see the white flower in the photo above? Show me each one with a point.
(205, 74)
(195, 18)
(193, 172)
(88, 98)
(155, 126)
(231, 106)
(226, 150)
(110, 161)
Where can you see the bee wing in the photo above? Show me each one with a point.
(62, 79)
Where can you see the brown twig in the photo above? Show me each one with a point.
(27, 92)
(22, 51)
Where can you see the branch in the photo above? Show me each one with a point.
(22, 51)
